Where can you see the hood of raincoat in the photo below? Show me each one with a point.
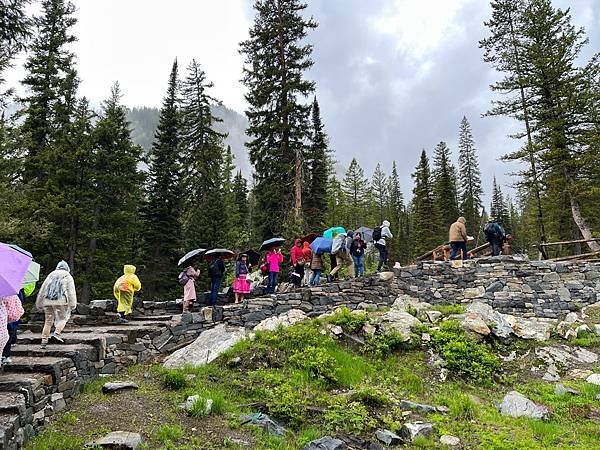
(385, 223)
(461, 220)
(63, 266)
(298, 241)
(128, 269)
(306, 245)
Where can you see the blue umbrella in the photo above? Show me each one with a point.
(333, 231)
(270, 243)
(321, 245)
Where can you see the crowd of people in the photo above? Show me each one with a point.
(57, 296)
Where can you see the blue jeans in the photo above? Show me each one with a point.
(383, 256)
(359, 265)
(456, 246)
(315, 278)
(214, 290)
(272, 282)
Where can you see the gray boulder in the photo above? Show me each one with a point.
(533, 328)
(118, 386)
(399, 321)
(411, 430)
(516, 404)
(326, 443)
(561, 389)
(500, 325)
(284, 320)
(450, 441)
(206, 348)
(594, 379)
(118, 440)
(418, 407)
(388, 438)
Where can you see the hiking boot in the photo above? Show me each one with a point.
(6, 360)
(123, 320)
(44, 345)
(57, 337)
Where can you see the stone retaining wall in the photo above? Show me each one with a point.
(508, 284)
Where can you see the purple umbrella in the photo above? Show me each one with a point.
(13, 267)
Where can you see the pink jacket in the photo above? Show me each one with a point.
(274, 259)
(189, 290)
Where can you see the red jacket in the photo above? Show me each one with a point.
(296, 254)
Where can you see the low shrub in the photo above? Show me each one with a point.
(352, 417)
(351, 322)
(288, 403)
(447, 310)
(383, 344)
(317, 361)
(464, 356)
(168, 433)
(174, 380)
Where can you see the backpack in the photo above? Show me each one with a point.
(339, 244)
(377, 233)
(491, 231)
(214, 270)
(183, 278)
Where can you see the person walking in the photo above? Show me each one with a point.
(342, 258)
(11, 310)
(56, 298)
(274, 258)
(458, 239)
(188, 279)
(317, 266)
(241, 286)
(124, 289)
(216, 270)
(357, 251)
(379, 235)
(495, 235)
(307, 253)
(298, 262)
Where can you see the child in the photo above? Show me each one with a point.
(241, 287)
(317, 266)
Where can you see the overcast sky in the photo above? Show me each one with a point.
(393, 76)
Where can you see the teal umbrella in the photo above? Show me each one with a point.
(333, 232)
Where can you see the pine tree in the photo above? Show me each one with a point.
(15, 29)
(204, 218)
(51, 82)
(469, 180)
(317, 166)
(499, 208)
(395, 212)
(241, 222)
(445, 198)
(115, 205)
(355, 188)
(162, 226)
(422, 214)
(379, 189)
(276, 59)
(336, 203)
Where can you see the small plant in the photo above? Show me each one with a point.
(287, 403)
(370, 396)
(174, 380)
(317, 361)
(412, 310)
(69, 418)
(464, 356)
(447, 310)
(198, 408)
(462, 407)
(381, 345)
(168, 433)
(351, 417)
(351, 322)
(55, 440)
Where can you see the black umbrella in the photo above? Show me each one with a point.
(253, 257)
(270, 243)
(191, 255)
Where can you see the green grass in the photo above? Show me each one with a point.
(168, 433)
(447, 310)
(56, 440)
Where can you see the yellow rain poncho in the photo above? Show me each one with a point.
(124, 289)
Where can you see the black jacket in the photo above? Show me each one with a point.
(356, 250)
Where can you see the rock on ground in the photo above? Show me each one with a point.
(500, 325)
(594, 379)
(191, 401)
(411, 430)
(285, 320)
(533, 328)
(399, 321)
(450, 441)
(265, 422)
(118, 386)
(516, 404)
(388, 438)
(566, 357)
(561, 389)
(119, 440)
(404, 302)
(206, 348)
(326, 443)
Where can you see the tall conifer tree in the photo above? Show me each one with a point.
(204, 218)
(318, 168)
(445, 198)
(162, 226)
(355, 187)
(469, 179)
(499, 207)
(396, 214)
(276, 59)
(379, 190)
(422, 214)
